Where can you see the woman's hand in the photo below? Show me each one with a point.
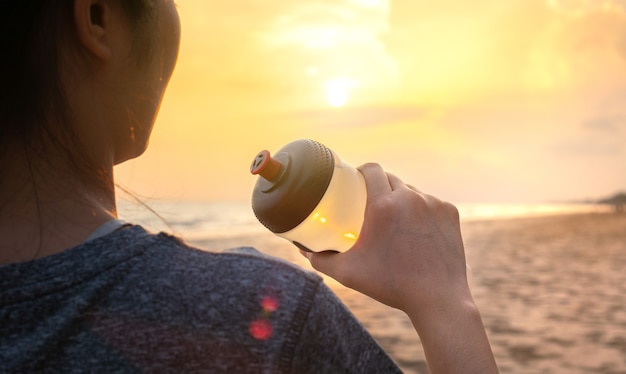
(410, 249)
(410, 256)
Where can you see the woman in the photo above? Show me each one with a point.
(83, 291)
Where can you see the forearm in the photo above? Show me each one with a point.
(454, 338)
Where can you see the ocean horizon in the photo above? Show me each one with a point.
(206, 220)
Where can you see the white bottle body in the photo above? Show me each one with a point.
(335, 223)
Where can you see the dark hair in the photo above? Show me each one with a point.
(33, 108)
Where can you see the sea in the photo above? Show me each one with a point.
(198, 221)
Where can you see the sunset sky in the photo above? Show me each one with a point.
(472, 101)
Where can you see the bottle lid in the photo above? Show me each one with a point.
(291, 183)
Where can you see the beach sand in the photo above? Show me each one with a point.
(551, 290)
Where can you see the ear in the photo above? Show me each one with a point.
(92, 19)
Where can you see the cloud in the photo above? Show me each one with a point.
(323, 40)
(608, 125)
(359, 117)
(487, 47)
(603, 136)
(577, 7)
(285, 49)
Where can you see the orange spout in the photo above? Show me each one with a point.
(265, 165)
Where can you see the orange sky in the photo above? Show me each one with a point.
(473, 101)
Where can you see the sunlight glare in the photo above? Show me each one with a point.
(350, 235)
(337, 91)
(372, 3)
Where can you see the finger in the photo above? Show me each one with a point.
(395, 182)
(328, 263)
(413, 188)
(376, 181)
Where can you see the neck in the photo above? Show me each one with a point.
(44, 212)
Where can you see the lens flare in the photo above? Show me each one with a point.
(261, 329)
(269, 304)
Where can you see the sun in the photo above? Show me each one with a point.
(338, 91)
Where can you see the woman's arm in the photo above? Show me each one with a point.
(410, 256)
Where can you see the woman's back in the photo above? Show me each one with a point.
(132, 301)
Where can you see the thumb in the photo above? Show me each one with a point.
(327, 262)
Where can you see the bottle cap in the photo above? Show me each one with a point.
(291, 183)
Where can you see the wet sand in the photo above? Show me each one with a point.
(551, 290)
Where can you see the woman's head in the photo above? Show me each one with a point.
(65, 61)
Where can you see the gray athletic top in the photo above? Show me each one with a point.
(132, 301)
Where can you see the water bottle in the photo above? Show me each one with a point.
(306, 194)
